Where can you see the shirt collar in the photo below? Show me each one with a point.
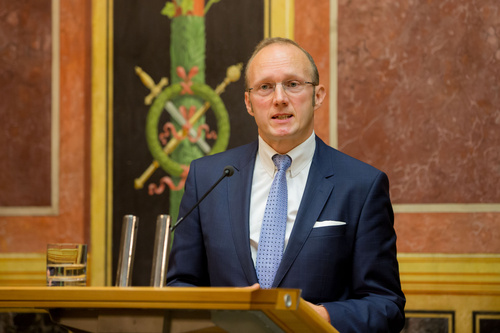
(301, 156)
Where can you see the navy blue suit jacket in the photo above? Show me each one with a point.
(351, 269)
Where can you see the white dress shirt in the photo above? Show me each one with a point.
(263, 175)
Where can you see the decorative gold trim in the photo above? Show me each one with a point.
(451, 274)
(55, 104)
(101, 142)
(27, 269)
(334, 141)
(279, 18)
(267, 30)
(53, 209)
(447, 208)
(429, 273)
(22, 269)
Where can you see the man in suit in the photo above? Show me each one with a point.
(339, 243)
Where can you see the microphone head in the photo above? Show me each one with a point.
(229, 171)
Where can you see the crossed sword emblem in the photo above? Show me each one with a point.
(233, 74)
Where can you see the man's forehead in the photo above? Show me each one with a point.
(282, 50)
(283, 59)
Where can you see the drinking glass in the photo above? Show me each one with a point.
(67, 264)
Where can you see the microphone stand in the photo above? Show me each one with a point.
(228, 172)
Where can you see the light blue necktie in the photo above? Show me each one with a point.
(272, 234)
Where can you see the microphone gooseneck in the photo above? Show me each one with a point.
(228, 172)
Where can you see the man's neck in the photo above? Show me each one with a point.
(284, 146)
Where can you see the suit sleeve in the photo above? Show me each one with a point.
(376, 303)
(187, 263)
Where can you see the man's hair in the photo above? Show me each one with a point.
(284, 41)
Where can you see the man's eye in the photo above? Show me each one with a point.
(265, 86)
(292, 84)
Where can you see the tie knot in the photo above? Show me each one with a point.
(282, 162)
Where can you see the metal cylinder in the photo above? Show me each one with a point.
(127, 251)
(161, 251)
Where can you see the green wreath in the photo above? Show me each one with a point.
(206, 93)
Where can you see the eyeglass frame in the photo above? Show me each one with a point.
(314, 84)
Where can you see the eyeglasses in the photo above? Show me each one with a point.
(291, 87)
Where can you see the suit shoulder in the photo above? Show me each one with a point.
(344, 163)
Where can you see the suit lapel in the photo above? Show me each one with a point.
(318, 189)
(239, 192)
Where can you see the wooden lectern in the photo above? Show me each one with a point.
(168, 309)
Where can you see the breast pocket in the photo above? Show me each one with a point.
(332, 231)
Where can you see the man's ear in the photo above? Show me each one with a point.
(248, 103)
(319, 96)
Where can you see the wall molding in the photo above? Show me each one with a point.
(22, 269)
(53, 209)
(333, 107)
(28, 269)
(279, 18)
(426, 273)
(447, 208)
(450, 274)
(102, 142)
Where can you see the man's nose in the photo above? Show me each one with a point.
(280, 96)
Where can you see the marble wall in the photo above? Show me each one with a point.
(312, 31)
(30, 234)
(25, 80)
(419, 89)
(418, 96)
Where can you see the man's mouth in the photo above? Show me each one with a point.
(282, 116)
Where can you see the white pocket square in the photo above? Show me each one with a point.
(320, 224)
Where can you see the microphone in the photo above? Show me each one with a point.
(228, 172)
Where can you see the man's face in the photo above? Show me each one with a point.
(284, 119)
